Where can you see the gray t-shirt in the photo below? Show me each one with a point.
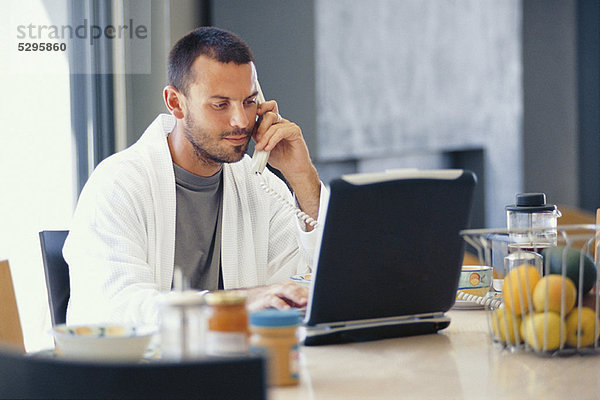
(198, 228)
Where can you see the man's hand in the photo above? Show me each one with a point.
(289, 154)
(279, 295)
(283, 139)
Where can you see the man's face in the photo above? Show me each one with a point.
(220, 110)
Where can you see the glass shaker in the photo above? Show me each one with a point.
(532, 226)
(182, 326)
(532, 222)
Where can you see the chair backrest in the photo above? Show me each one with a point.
(57, 274)
(11, 334)
(39, 376)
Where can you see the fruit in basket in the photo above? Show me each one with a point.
(506, 326)
(518, 288)
(586, 332)
(553, 256)
(544, 331)
(549, 291)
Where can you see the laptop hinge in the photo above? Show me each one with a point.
(325, 328)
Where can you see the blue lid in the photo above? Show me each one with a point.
(273, 317)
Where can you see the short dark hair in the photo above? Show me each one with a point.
(215, 43)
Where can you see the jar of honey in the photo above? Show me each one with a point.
(227, 333)
(274, 336)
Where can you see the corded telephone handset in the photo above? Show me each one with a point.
(260, 157)
(259, 162)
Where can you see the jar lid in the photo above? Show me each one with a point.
(183, 299)
(530, 203)
(225, 297)
(273, 317)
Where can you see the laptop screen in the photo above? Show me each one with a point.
(391, 245)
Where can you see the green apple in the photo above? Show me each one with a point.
(553, 256)
(586, 332)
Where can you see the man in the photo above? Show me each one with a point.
(184, 195)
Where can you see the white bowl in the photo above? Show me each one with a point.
(103, 342)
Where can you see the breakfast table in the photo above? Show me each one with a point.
(459, 362)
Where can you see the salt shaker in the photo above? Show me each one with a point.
(182, 326)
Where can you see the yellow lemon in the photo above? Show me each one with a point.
(584, 332)
(544, 331)
(518, 287)
(551, 290)
(506, 326)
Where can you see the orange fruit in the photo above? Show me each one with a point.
(551, 290)
(518, 287)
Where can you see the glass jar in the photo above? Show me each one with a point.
(274, 336)
(227, 318)
(532, 227)
(532, 221)
(182, 326)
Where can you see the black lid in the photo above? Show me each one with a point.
(531, 202)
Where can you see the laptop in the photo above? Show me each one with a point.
(390, 256)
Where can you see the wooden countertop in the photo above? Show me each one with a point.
(459, 363)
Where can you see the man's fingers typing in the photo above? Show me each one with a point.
(281, 296)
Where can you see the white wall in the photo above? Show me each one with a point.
(396, 79)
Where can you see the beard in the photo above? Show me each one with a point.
(207, 147)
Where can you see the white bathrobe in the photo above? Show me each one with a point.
(121, 245)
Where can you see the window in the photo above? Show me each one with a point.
(36, 162)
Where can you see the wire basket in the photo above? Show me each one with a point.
(544, 296)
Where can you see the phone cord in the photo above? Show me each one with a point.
(484, 301)
(307, 219)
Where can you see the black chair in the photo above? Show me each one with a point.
(45, 377)
(57, 274)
